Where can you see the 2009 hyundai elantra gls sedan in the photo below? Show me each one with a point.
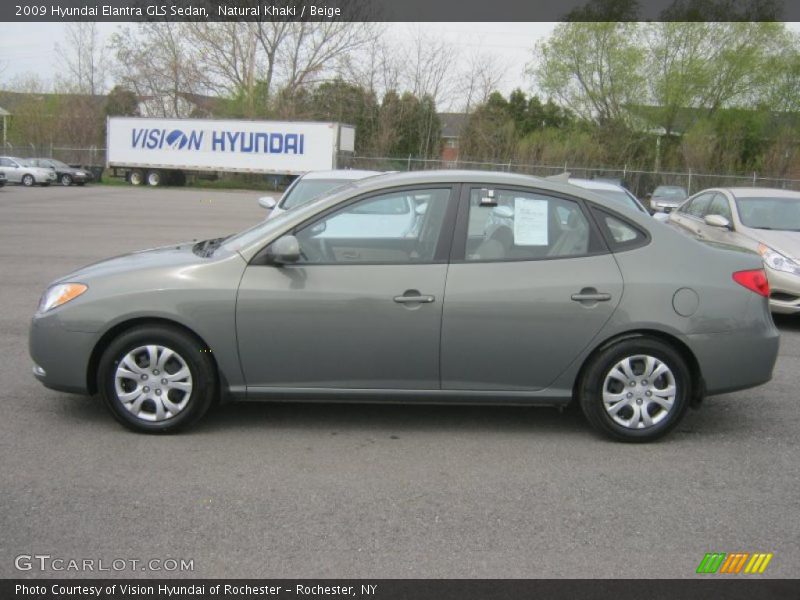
(503, 289)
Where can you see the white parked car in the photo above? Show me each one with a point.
(18, 170)
(309, 186)
(611, 191)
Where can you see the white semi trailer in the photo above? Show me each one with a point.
(163, 151)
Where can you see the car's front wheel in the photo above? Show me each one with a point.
(636, 390)
(157, 379)
(66, 179)
(28, 180)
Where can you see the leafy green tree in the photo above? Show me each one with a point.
(594, 69)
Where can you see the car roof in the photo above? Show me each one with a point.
(594, 184)
(343, 174)
(760, 192)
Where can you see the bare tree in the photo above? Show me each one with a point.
(315, 52)
(429, 66)
(230, 58)
(156, 63)
(481, 76)
(84, 59)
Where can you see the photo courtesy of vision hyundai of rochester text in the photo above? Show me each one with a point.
(434, 287)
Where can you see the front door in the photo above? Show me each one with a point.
(362, 308)
(530, 286)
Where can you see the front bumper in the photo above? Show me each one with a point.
(61, 357)
(784, 295)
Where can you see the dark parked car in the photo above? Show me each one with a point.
(509, 290)
(3, 179)
(65, 174)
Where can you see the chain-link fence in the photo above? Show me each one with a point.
(84, 157)
(640, 182)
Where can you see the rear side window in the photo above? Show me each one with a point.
(620, 233)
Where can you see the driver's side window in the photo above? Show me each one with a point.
(396, 227)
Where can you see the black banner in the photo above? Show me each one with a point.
(397, 10)
(733, 588)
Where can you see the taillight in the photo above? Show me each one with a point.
(754, 280)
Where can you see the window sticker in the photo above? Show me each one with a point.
(530, 222)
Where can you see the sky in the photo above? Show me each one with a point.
(30, 47)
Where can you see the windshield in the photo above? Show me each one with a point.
(770, 213)
(56, 163)
(676, 193)
(618, 196)
(307, 189)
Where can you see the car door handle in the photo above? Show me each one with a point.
(416, 298)
(593, 296)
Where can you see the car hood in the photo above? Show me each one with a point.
(174, 255)
(785, 242)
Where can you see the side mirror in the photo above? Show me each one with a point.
(717, 221)
(267, 202)
(285, 249)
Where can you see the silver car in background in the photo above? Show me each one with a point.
(311, 185)
(763, 220)
(666, 198)
(19, 170)
(509, 290)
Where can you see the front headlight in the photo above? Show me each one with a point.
(80, 173)
(59, 294)
(777, 261)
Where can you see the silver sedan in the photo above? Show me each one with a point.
(763, 220)
(508, 290)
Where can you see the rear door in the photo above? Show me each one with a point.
(529, 286)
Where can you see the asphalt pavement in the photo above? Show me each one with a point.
(341, 491)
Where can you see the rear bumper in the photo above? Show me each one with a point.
(736, 360)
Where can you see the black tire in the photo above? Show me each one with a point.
(590, 390)
(66, 179)
(196, 357)
(136, 177)
(154, 178)
(28, 180)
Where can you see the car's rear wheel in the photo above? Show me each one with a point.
(636, 390)
(66, 179)
(157, 379)
(28, 180)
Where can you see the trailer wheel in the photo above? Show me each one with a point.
(153, 178)
(136, 177)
